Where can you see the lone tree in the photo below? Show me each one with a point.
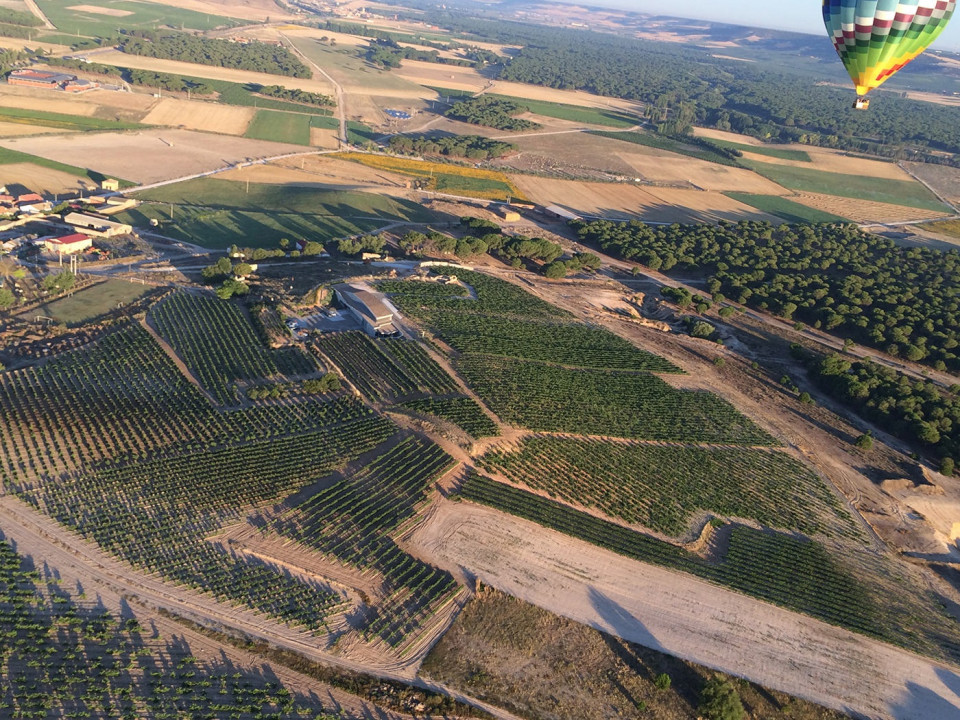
(720, 701)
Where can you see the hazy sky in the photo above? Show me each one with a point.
(803, 15)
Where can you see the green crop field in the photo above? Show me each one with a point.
(287, 127)
(62, 121)
(896, 192)
(137, 16)
(92, 302)
(792, 212)
(575, 113)
(768, 151)
(219, 213)
(662, 487)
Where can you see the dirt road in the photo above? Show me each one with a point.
(687, 617)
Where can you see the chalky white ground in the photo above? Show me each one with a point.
(687, 617)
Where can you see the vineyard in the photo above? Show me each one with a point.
(663, 487)
(493, 297)
(352, 521)
(563, 343)
(796, 573)
(463, 412)
(123, 397)
(62, 659)
(155, 513)
(386, 369)
(219, 345)
(593, 402)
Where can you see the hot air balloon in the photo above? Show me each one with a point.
(876, 38)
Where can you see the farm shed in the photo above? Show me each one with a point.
(370, 308)
(68, 244)
(97, 226)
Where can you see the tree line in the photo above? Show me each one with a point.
(293, 95)
(492, 112)
(916, 411)
(902, 300)
(387, 53)
(253, 56)
(473, 147)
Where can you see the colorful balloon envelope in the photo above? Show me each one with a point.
(876, 38)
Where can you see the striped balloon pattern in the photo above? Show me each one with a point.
(876, 38)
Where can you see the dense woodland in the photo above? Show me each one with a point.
(473, 147)
(492, 112)
(751, 98)
(915, 410)
(253, 56)
(902, 300)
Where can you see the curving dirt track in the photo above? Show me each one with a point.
(687, 617)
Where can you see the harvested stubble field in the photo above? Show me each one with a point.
(790, 210)
(445, 178)
(864, 211)
(148, 156)
(321, 171)
(47, 102)
(8, 129)
(200, 115)
(347, 66)
(625, 201)
(43, 180)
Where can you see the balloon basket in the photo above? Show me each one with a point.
(861, 103)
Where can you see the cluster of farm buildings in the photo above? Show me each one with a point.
(73, 232)
(48, 80)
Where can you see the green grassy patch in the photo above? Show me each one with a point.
(92, 302)
(280, 127)
(358, 133)
(661, 142)
(765, 150)
(792, 212)
(218, 213)
(906, 193)
(574, 113)
(143, 16)
(62, 121)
